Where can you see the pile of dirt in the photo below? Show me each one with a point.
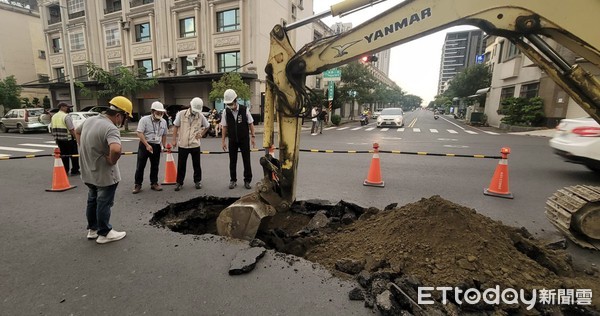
(392, 252)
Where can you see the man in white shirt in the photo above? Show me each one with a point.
(152, 132)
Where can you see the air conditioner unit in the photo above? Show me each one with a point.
(172, 67)
(166, 60)
(125, 25)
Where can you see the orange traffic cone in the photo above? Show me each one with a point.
(60, 181)
(499, 184)
(170, 169)
(374, 176)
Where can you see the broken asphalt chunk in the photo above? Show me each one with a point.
(245, 260)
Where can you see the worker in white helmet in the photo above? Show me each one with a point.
(189, 127)
(236, 121)
(152, 132)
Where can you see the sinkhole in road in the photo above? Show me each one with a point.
(285, 232)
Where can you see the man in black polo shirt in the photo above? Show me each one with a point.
(237, 126)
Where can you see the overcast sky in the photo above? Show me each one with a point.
(415, 65)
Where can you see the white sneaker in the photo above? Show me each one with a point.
(92, 234)
(112, 235)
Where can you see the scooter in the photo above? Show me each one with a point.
(435, 116)
(364, 119)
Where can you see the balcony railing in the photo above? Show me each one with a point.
(54, 20)
(137, 3)
(76, 15)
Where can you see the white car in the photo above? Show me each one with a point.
(77, 118)
(578, 141)
(391, 117)
(376, 113)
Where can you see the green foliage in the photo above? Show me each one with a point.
(35, 101)
(10, 93)
(522, 112)
(230, 80)
(356, 77)
(124, 83)
(410, 101)
(336, 119)
(467, 82)
(46, 102)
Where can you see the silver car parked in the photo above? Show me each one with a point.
(24, 120)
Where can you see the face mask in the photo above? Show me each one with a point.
(158, 115)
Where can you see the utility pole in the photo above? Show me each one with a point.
(67, 53)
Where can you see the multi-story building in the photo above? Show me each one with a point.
(186, 44)
(514, 75)
(23, 51)
(459, 52)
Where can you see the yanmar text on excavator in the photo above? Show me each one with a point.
(527, 23)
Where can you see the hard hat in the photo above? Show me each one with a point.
(229, 96)
(157, 106)
(197, 104)
(122, 103)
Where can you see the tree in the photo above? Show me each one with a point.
(230, 80)
(35, 101)
(124, 82)
(467, 82)
(411, 101)
(10, 93)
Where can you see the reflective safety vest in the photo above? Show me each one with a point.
(59, 127)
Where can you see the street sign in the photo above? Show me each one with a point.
(330, 91)
(333, 74)
(479, 59)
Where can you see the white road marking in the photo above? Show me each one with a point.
(39, 145)
(385, 129)
(401, 129)
(456, 146)
(20, 137)
(416, 130)
(370, 129)
(25, 150)
(471, 132)
(491, 133)
(451, 131)
(356, 128)
(433, 130)
(342, 128)
(328, 128)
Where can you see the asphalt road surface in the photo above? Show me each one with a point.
(48, 267)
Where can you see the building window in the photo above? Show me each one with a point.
(301, 4)
(512, 51)
(113, 67)
(112, 34)
(228, 20)
(142, 32)
(500, 51)
(60, 74)
(56, 45)
(294, 11)
(507, 92)
(112, 6)
(42, 54)
(144, 68)
(188, 66)
(318, 83)
(77, 42)
(75, 6)
(187, 27)
(80, 72)
(228, 62)
(529, 91)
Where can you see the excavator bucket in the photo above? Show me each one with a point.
(243, 218)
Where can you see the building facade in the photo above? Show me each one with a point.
(185, 44)
(514, 75)
(24, 59)
(459, 51)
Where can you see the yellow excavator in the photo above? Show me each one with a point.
(575, 211)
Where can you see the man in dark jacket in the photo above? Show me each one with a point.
(236, 121)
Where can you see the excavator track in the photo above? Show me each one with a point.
(575, 211)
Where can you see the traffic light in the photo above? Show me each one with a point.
(369, 59)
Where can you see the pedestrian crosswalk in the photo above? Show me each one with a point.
(42, 147)
(410, 130)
